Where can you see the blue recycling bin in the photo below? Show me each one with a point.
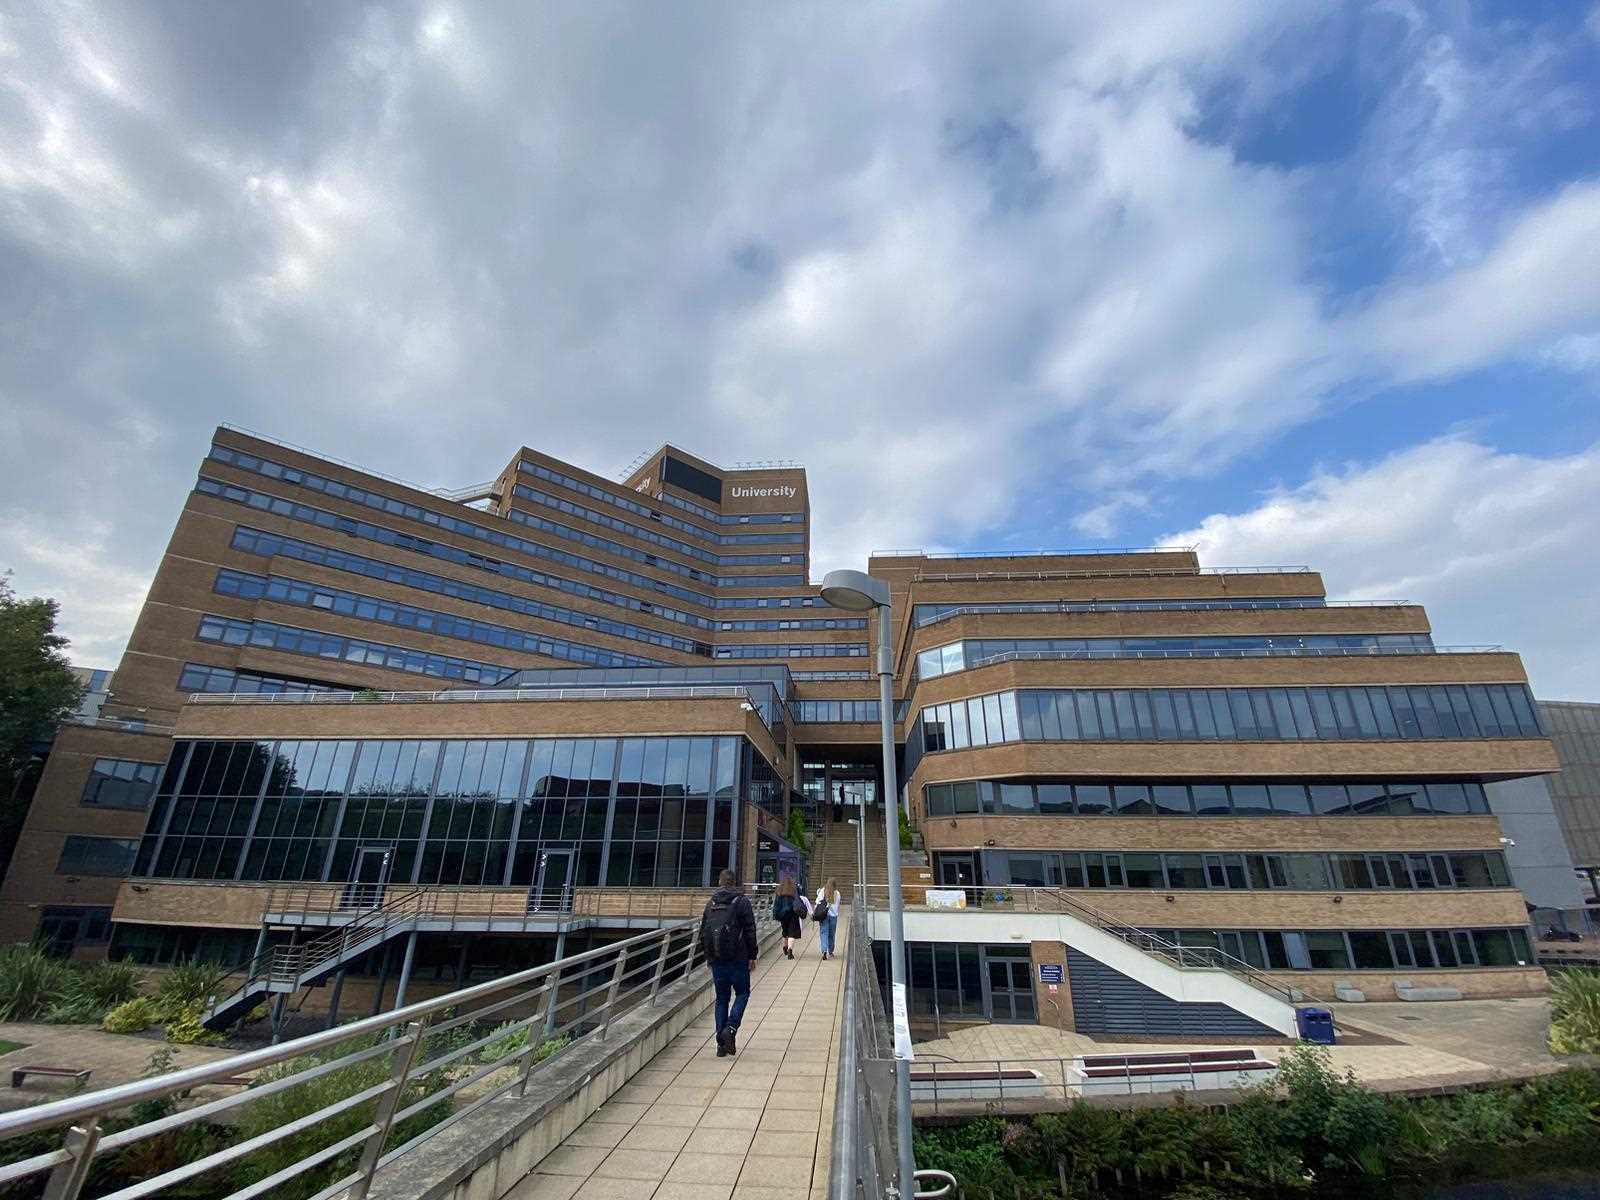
(1315, 1025)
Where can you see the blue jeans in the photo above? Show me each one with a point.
(830, 926)
(731, 979)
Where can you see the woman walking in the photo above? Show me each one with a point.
(826, 914)
(789, 910)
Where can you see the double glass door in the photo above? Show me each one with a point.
(1008, 987)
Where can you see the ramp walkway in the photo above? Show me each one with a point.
(692, 1126)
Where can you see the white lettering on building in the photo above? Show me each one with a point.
(741, 493)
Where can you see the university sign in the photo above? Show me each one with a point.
(741, 493)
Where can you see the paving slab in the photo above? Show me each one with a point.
(692, 1126)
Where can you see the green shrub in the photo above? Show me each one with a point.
(131, 1016)
(30, 981)
(907, 840)
(796, 830)
(108, 984)
(185, 987)
(73, 1008)
(1575, 1011)
(279, 1109)
(185, 1028)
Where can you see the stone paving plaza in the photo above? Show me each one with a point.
(692, 1126)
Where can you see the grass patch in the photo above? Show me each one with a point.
(7, 1047)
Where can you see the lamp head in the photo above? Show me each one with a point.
(854, 591)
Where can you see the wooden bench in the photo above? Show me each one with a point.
(977, 1082)
(81, 1074)
(1101, 1074)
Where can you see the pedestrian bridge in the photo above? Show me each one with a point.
(595, 1076)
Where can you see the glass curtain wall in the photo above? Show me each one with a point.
(647, 812)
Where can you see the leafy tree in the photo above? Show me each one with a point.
(37, 691)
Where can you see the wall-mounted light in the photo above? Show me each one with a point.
(1172, 899)
(1338, 899)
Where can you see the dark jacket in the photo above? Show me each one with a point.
(744, 920)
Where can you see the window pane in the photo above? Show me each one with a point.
(1185, 871)
(1143, 870)
(1093, 798)
(1371, 951)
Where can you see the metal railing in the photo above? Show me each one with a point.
(1123, 573)
(445, 1057)
(865, 1138)
(1073, 552)
(1053, 901)
(476, 694)
(963, 1082)
(1240, 652)
(1296, 603)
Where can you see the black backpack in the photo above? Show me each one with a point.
(723, 940)
(782, 907)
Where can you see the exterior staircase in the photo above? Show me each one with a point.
(280, 970)
(834, 856)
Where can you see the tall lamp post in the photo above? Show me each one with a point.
(856, 591)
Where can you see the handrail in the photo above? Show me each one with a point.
(1126, 572)
(1142, 939)
(567, 1003)
(649, 692)
(1056, 900)
(1075, 551)
(1228, 652)
(1203, 604)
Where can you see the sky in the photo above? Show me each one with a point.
(1290, 283)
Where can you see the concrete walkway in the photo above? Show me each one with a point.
(692, 1126)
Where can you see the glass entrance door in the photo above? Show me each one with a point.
(960, 871)
(368, 878)
(1008, 984)
(552, 885)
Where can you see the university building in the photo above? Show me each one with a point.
(483, 725)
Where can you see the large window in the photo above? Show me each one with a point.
(1188, 870)
(629, 811)
(272, 545)
(293, 592)
(96, 856)
(120, 783)
(958, 656)
(1215, 799)
(1474, 710)
(316, 644)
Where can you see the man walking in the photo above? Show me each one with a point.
(728, 940)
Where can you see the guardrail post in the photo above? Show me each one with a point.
(547, 998)
(67, 1180)
(668, 937)
(611, 993)
(399, 1070)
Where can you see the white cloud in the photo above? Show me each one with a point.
(98, 601)
(1501, 547)
(1541, 280)
(932, 256)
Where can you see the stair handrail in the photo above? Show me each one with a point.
(1206, 957)
(296, 961)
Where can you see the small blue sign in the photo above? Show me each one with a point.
(1049, 972)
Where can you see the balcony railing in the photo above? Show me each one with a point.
(1077, 606)
(1123, 573)
(1240, 652)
